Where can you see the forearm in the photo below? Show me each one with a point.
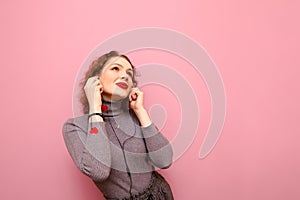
(143, 117)
(97, 144)
(89, 151)
(160, 150)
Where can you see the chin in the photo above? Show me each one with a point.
(118, 97)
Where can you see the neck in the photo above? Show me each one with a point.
(112, 108)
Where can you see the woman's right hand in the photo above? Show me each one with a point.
(93, 89)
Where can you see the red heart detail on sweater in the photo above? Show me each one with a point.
(94, 130)
(104, 107)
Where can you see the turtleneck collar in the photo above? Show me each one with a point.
(112, 108)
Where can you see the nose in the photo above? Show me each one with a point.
(124, 77)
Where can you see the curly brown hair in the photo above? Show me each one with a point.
(95, 69)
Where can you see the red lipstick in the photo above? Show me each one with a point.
(122, 85)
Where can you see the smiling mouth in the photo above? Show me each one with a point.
(122, 85)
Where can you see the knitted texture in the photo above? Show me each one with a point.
(113, 153)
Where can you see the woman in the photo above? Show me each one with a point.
(115, 142)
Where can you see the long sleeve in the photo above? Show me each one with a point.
(89, 151)
(160, 150)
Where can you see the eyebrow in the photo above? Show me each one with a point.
(129, 69)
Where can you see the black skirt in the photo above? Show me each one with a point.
(159, 189)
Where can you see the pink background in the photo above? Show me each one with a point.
(255, 45)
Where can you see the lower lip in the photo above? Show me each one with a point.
(123, 86)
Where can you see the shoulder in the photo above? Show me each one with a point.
(79, 122)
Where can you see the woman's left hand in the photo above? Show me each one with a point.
(136, 99)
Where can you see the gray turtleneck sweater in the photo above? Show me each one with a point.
(113, 153)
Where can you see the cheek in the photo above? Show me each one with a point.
(130, 82)
(106, 80)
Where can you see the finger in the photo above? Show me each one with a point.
(136, 94)
(139, 92)
(134, 97)
(130, 99)
(133, 90)
(91, 80)
(131, 96)
(96, 83)
(99, 87)
(95, 78)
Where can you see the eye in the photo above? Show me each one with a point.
(130, 74)
(115, 68)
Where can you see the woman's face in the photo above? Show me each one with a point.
(116, 78)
